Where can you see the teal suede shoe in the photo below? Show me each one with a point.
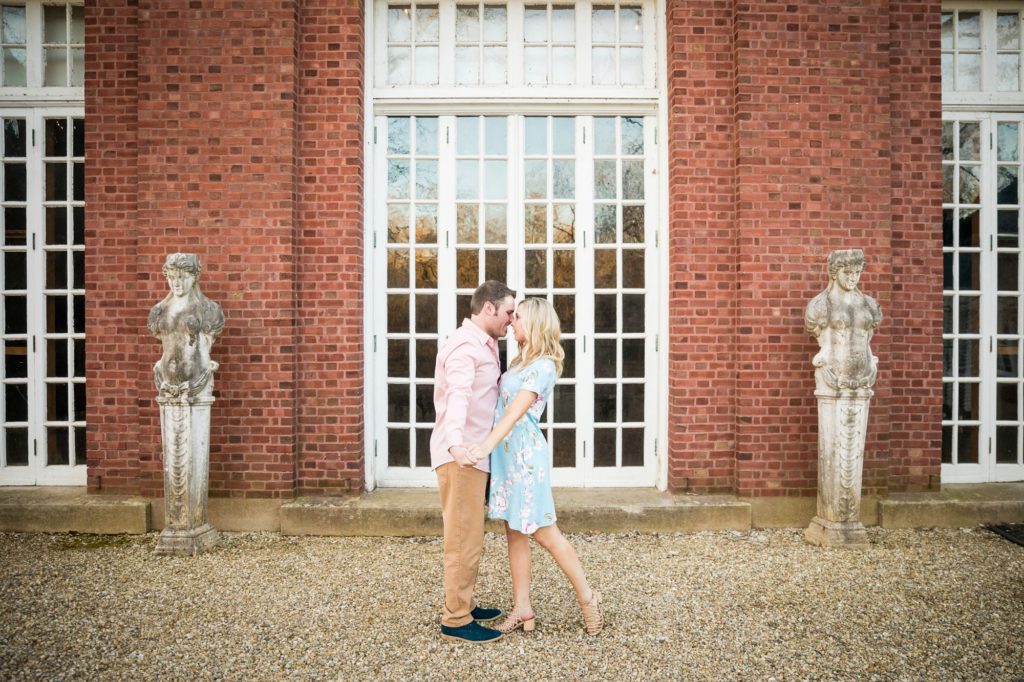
(484, 615)
(472, 632)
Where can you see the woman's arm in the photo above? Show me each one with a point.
(515, 411)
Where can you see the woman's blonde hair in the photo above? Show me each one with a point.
(543, 334)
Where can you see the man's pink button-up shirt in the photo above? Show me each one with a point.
(465, 392)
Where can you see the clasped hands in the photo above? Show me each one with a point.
(468, 454)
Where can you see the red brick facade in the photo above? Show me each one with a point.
(236, 130)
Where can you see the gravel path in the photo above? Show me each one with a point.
(918, 605)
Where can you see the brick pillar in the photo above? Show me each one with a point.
(330, 170)
(702, 235)
(814, 175)
(113, 307)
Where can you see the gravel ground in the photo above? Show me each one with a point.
(917, 605)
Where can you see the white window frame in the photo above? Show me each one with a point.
(446, 99)
(988, 98)
(35, 92)
(38, 472)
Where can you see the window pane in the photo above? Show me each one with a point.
(426, 24)
(426, 65)
(55, 65)
(54, 24)
(630, 25)
(467, 65)
(604, 66)
(535, 67)
(602, 25)
(467, 24)
(399, 65)
(1008, 31)
(14, 67)
(968, 30)
(494, 24)
(1007, 72)
(563, 25)
(969, 72)
(495, 70)
(631, 67)
(399, 24)
(535, 24)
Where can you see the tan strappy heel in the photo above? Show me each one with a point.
(593, 619)
(515, 621)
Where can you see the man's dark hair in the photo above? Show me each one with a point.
(491, 291)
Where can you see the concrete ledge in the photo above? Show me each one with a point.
(932, 511)
(797, 512)
(235, 514)
(410, 512)
(63, 509)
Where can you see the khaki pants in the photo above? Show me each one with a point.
(462, 509)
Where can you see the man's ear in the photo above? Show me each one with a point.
(488, 309)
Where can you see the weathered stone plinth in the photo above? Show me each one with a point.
(185, 426)
(842, 427)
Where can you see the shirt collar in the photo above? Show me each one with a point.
(479, 334)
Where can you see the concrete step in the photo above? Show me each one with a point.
(410, 512)
(955, 506)
(53, 509)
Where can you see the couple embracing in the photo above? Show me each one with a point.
(489, 422)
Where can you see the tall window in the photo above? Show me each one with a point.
(517, 142)
(982, 143)
(42, 212)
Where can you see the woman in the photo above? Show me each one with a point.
(520, 492)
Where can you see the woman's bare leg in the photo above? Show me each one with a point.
(551, 539)
(519, 565)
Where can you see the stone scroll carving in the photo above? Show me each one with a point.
(187, 323)
(843, 320)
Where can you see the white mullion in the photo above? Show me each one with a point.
(652, 302)
(651, 44)
(585, 297)
(988, 282)
(446, 44)
(34, 45)
(378, 297)
(36, 299)
(584, 54)
(514, 55)
(446, 235)
(988, 50)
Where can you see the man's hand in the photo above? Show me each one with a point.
(462, 456)
(476, 451)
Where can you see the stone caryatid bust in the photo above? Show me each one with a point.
(843, 319)
(187, 323)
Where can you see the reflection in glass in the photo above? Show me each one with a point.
(967, 445)
(569, 364)
(632, 268)
(968, 401)
(536, 224)
(1008, 31)
(398, 268)
(632, 402)
(467, 268)
(1006, 226)
(398, 313)
(604, 403)
(426, 355)
(565, 307)
(970, 184)
(536, 139)
(604, 223)
(495, 179)
(605, 313)
(1007, 315)
(398, 402)
(536, 264)
(1007, 272)
(496, 265)
(563, 228)
(495, 135)
(604, 358)
(426, 268)
(398, 179)
(968, 30)
(536, 178)
(57, 446)
(1006, 444)
(426, 313)
(14, 67)
(397, 357)
(399, 24)
(426, 65)
(425, 404)
(563, 183)
(494, 23)
(426, 136)
(969, 308)
(631, 66)
(604, 447)
(1006, 401)
(632, 447)
(399, 65)
(1007, 72)
(467, 179)
(604, 179)
(967, 358)
(466, 223)
(1006, 186)
(633, 313)
(603, 66)
(565, 403)
(563, 447)
(1007, 352)
(564, 267)
(398, 447)
(426, 223)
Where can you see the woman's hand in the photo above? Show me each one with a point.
(476, 451)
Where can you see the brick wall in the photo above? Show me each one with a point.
(790, 108)
(330, 255)
(113, 310)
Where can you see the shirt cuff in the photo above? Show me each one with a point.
(454, 439)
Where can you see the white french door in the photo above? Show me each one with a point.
(561, 207)
(983, 295)
(42, 209)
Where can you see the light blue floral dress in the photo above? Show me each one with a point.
(520, 490)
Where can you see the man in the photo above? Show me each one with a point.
(465, 393)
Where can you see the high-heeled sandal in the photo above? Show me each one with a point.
(593, 619)
(514, 621)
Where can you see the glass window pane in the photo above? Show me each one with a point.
(398, 447)
(1006, 444)
(495, 180)
(631, 66)
(467, 179)
(14, 67)
(535, 66)
(1008, 72)
(968, 30)
(604, 447)
(399, 24)
(55, 66)
(602, 25)
(467, 65)
(14, 137)
(563, 447)
(426, 268)
(563, 65)
(398, 268)
(426, 65)
(426, 23)
(565, 269)
(563, 25)
(426, 223)
(947, 72)
(495, 66)
(467, 268)
(536, 266)
(630, 25)
(13, 24)
(426, 135)
(969, 72)
(633, 402)
(495, 226)
(1008, 31)
(426, 355)
(494, 24)
(398, 135)
(632, 447)
(467, 23)
(1007, 141)
(426, 179)
(77, 24)
(632, 136)
(466, 217)
(535, 24)
(399, 65)
(55, 24)
(603, 66)
(398, 358)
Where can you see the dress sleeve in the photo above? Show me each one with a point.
(539, 377)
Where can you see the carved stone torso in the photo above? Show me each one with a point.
(844, 322)
(187, 329)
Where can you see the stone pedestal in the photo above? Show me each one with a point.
(842, 427)
(185, 427)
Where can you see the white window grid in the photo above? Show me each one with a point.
(982, 55)
(48, 66)
(566, 65)
(481, 44)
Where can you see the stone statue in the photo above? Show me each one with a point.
(843, 319)
(187, 323)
